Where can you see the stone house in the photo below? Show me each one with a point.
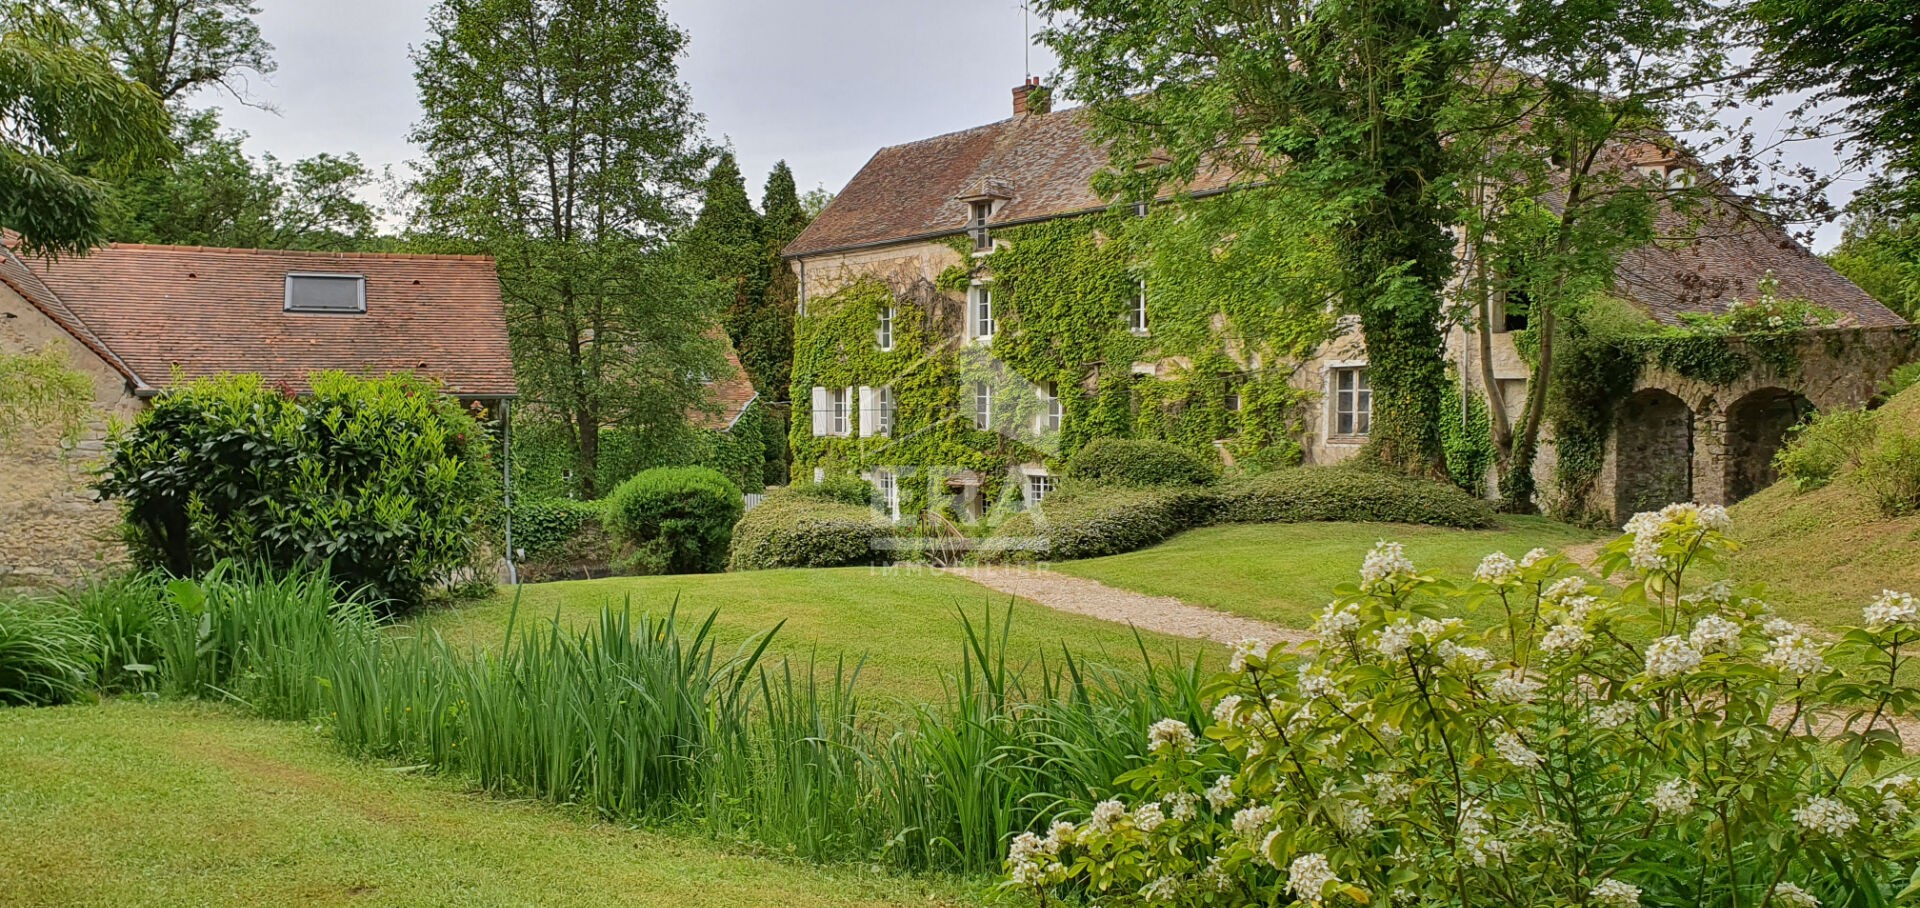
(923, 218)
(136, 319)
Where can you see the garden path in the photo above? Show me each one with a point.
(1162, 614)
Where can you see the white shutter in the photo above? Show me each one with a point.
(869, 412)
(847, 402)
(821, 412)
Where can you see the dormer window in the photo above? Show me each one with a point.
(977, 224)
(332, 293)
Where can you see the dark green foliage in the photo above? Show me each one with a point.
(1091, 521)
(842, 488)
(125, 616)
(1267, 460)
(45, 654)
(1882, 255)
(1466, 433)
(809, 526)
(543, 528)
(1831, 443)
(678, 520)
(725, 244)
(386, 480)
(1348, 494)
(543, 454)
(1901, 379)
(1140, 464)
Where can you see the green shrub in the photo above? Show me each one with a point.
(1348, 494)
(1826, 446)
(1268, 459)
(1139, 464)
(1081, 521)
(1901, 379)
(44, 653)
(843, 489)
(678, 520)
(560, 538)
(387, 481)
(1891, 472)
(792, 528)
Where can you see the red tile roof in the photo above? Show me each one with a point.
(1048, 161)
(730, 393)
(193, 311)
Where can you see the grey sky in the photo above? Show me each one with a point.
(821, 83)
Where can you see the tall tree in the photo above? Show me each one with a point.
(176, 47)
(67, 119)
(725, 242)
(769, 348)
(559, 138)
(1342, 99)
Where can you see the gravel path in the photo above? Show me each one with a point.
(1161, 614)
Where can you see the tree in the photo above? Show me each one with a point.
(768, 352)
(725, 242)
(559, 139)
(1882, 255)
(1861, 59)
(66, 117)
(213, 194)
(176, 47)
(1339, 99)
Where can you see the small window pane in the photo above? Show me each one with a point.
(326, 293)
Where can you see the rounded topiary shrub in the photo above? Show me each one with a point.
(792, 529)
(1139, 464)
(387, 481)
(1090, 521)
(678, 520)
(1345, 493)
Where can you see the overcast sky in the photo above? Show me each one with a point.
(820, 83)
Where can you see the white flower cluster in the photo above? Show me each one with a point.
(1165, 889)
(1650, 527)
(1510, 748)
(1392, 640)
(1496, 569)
(1564, 638)
(1353, 818)
(1247, 648)
(1790, 895)
(1148, 817)
(1476, 836)
(1795, 654)
(1336, 624)
(1614, 715)
(1314, 684)
(1171, 736)
(1616, 894)
(1106, 815)
(1674, 797)
(1827, 817)
(1565, 587)
(1514, 687)
(1387, 563)
(1309, 876)
(1220, 794)
(1895, 791)
(1227, 711)
(1714, 634)
(1387, 790)
(1671, 657)
(1250, 822)
(1779, 627)
(1464, 659)
(1533, 557)
(1180, 806)
(1031, 859)
(1892, 610)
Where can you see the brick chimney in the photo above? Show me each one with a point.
(1025, 99)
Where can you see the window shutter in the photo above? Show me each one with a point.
(821, 412)
(847, 397)
(869, 413)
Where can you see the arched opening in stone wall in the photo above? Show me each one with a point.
(1653, 452)
(1757, 427)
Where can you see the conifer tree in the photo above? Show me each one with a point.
(768, 351)
(725, 244)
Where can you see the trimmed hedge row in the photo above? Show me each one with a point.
(1086, 521)
(1139, 464)
(792, 529)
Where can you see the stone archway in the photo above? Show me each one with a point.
(1653, 452)
(1757, 426)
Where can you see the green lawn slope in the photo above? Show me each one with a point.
(1824, 554)
(131, 803)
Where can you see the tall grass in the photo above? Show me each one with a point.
(44, 654)
(124, 615)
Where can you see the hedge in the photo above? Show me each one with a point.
(560, 539)
(791, 529)
(1139, 464)
(678, 520)
(1304, 494)
(1091, 521)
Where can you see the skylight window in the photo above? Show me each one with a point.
(307, 292)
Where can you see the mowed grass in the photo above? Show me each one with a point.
(131, 803)
(904, 627)
(1285, 573)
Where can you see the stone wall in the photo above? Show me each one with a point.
(53, 530)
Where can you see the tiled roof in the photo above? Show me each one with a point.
(195, 311)
(22, 279)
(731, 393)
(1046, 161)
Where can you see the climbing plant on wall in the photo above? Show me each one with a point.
(1233, 303)
(42, 388)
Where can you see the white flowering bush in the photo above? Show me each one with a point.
(1526, 736)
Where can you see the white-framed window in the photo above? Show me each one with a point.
(884, 333)
(1352, 401)
(886, 488)
(876, 411)
(1137, 310)
(331, 293)
(977, 213)
(1039, 486)
(832, 411)
(980, 313)
(1052, 412)
(982, 405)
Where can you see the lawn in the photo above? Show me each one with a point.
(1285, 573)
(132, 803)
(906, 623)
